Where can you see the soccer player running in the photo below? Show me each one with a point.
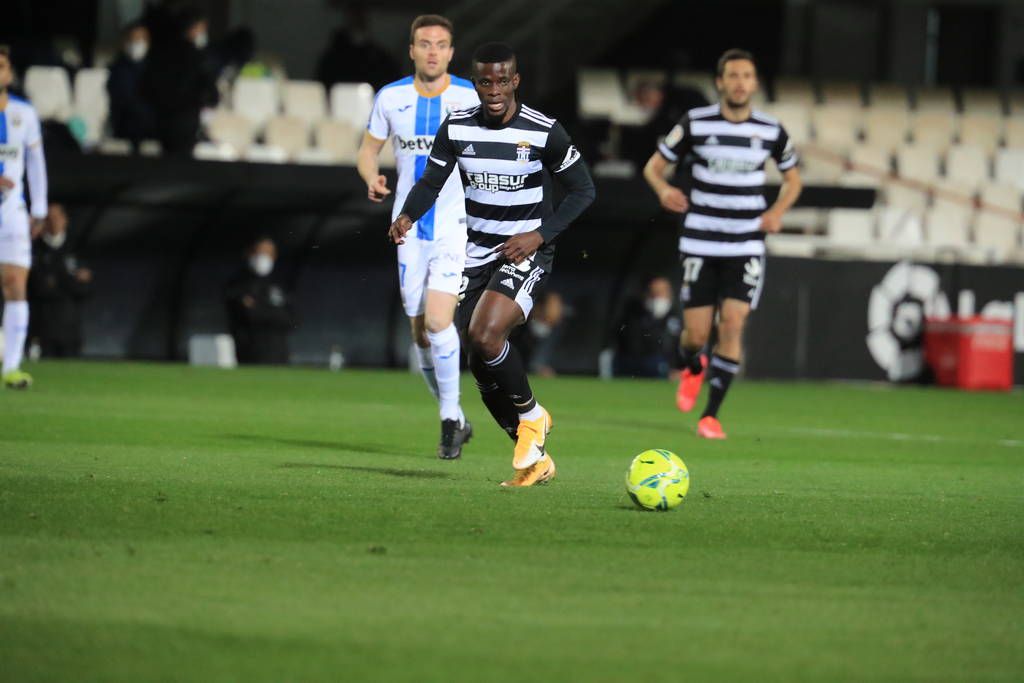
(21, 151)
(725, 220)
(430, 262)
(502, 149)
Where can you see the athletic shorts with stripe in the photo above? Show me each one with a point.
(522, 283)
(709, 279)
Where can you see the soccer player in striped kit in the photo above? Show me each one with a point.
(503, 149)
(725, 220)
(430, 263)
(21, 153)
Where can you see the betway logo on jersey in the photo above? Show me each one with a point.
(419, 144)
(497, 182)
(10, 152)
(719, 165)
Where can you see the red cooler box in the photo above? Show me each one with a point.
(970, 353)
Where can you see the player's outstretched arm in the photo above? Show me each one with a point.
(670, 197)
(369, 168)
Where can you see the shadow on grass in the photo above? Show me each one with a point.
(389, 471)
(311, 443)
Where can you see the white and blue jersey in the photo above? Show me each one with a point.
(411, 118)
(21, 151)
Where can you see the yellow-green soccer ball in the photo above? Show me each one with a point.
(657, 480)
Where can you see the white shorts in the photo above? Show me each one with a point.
(15, 236)
(434, 264)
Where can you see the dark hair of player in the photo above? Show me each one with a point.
(494, 53)
(424, 20)
(732, 55)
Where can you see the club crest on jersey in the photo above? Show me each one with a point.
(522, 151)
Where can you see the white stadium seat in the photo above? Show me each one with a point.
(918, 162)
(215, 151)
(888, 96)
(842, 94)
(352, 102)
(340, 139)
(1013, 133)
(945, 229)
(257, 99)
(1010, 166)
(939, 99)
(985, 101)
(934, 127)
(231, 129)
(866, 158)
(600, 93)
(265, 154)
(981, 129)
(794, 91)
(998, 233)
(315, 156)
(91, 102)
(289, 133)
(836, 127)
(795, 118)
(900, 226)
(906, 197)
(1006, 197)
(49, 89)
(305, 100)
(968, 165)
(858, 179)
(886, 126)
(850, 227)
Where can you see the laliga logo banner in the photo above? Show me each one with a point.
(897, 310)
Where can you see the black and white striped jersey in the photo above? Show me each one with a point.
(503, 174)
(727, 197)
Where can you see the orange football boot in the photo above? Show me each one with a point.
(689, 386)
(541, 472)
(710, 428)
(530, 438)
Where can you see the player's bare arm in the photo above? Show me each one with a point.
(771, 220)
(369, 168)
(398, 229)
(670, 197)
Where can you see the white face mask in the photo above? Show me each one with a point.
(659, 307)
(201, 40)
(55, 241)
(261, 264)
(137, 50)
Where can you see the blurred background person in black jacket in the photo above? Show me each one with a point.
(259, 311)
(648, 333)
(131, 117)
(57, 285)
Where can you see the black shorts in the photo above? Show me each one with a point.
(521, 283)
(709, 279)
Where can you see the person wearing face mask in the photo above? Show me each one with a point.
(260, 314)
(176, 81)
(646, 332)
(131, 117)
(57, 286)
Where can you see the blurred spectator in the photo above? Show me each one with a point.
(538, 339)
(666, 105)
(259, 312)
(130, 115)
(57, 285)
(648, 332)
(351, 57)
(176, 80)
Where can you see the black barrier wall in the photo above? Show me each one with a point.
(163, 237)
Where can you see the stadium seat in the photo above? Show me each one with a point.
(822, 169)
(938, 99)
(907, 197)
(1006, 197)
(305, 100)
(1015, 102)
(115, 146)
(982, 101)
(981, 129)
(850, 227)
(900, 226)
(215, 151)
(1013, 133)
(1010, 166)
(967, 165)
(150, 148)
(847, 94)
(858, 179)
(91, 102)
(352, 102)
(793, 91)
(49, 89)
(600, 93)
(315, 156)
(289, 133)
(257, 99)
(918, 162)
(886, 126)
(231, 129)
(836, 127)
(888, 96)
(1000, 234)
(945, 229)
(340, 139)
(795, 118)
(954, 195)
(265, 154)
(869, 159)
(934, 127)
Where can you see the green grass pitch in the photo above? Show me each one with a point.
(165, 523)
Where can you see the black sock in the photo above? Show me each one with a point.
(498, 404)
(510, 374)
(721, 370)
(691, 359)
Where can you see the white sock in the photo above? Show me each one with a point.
(445, 348)
(427, 368)
(533, 413)
(15, 331)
